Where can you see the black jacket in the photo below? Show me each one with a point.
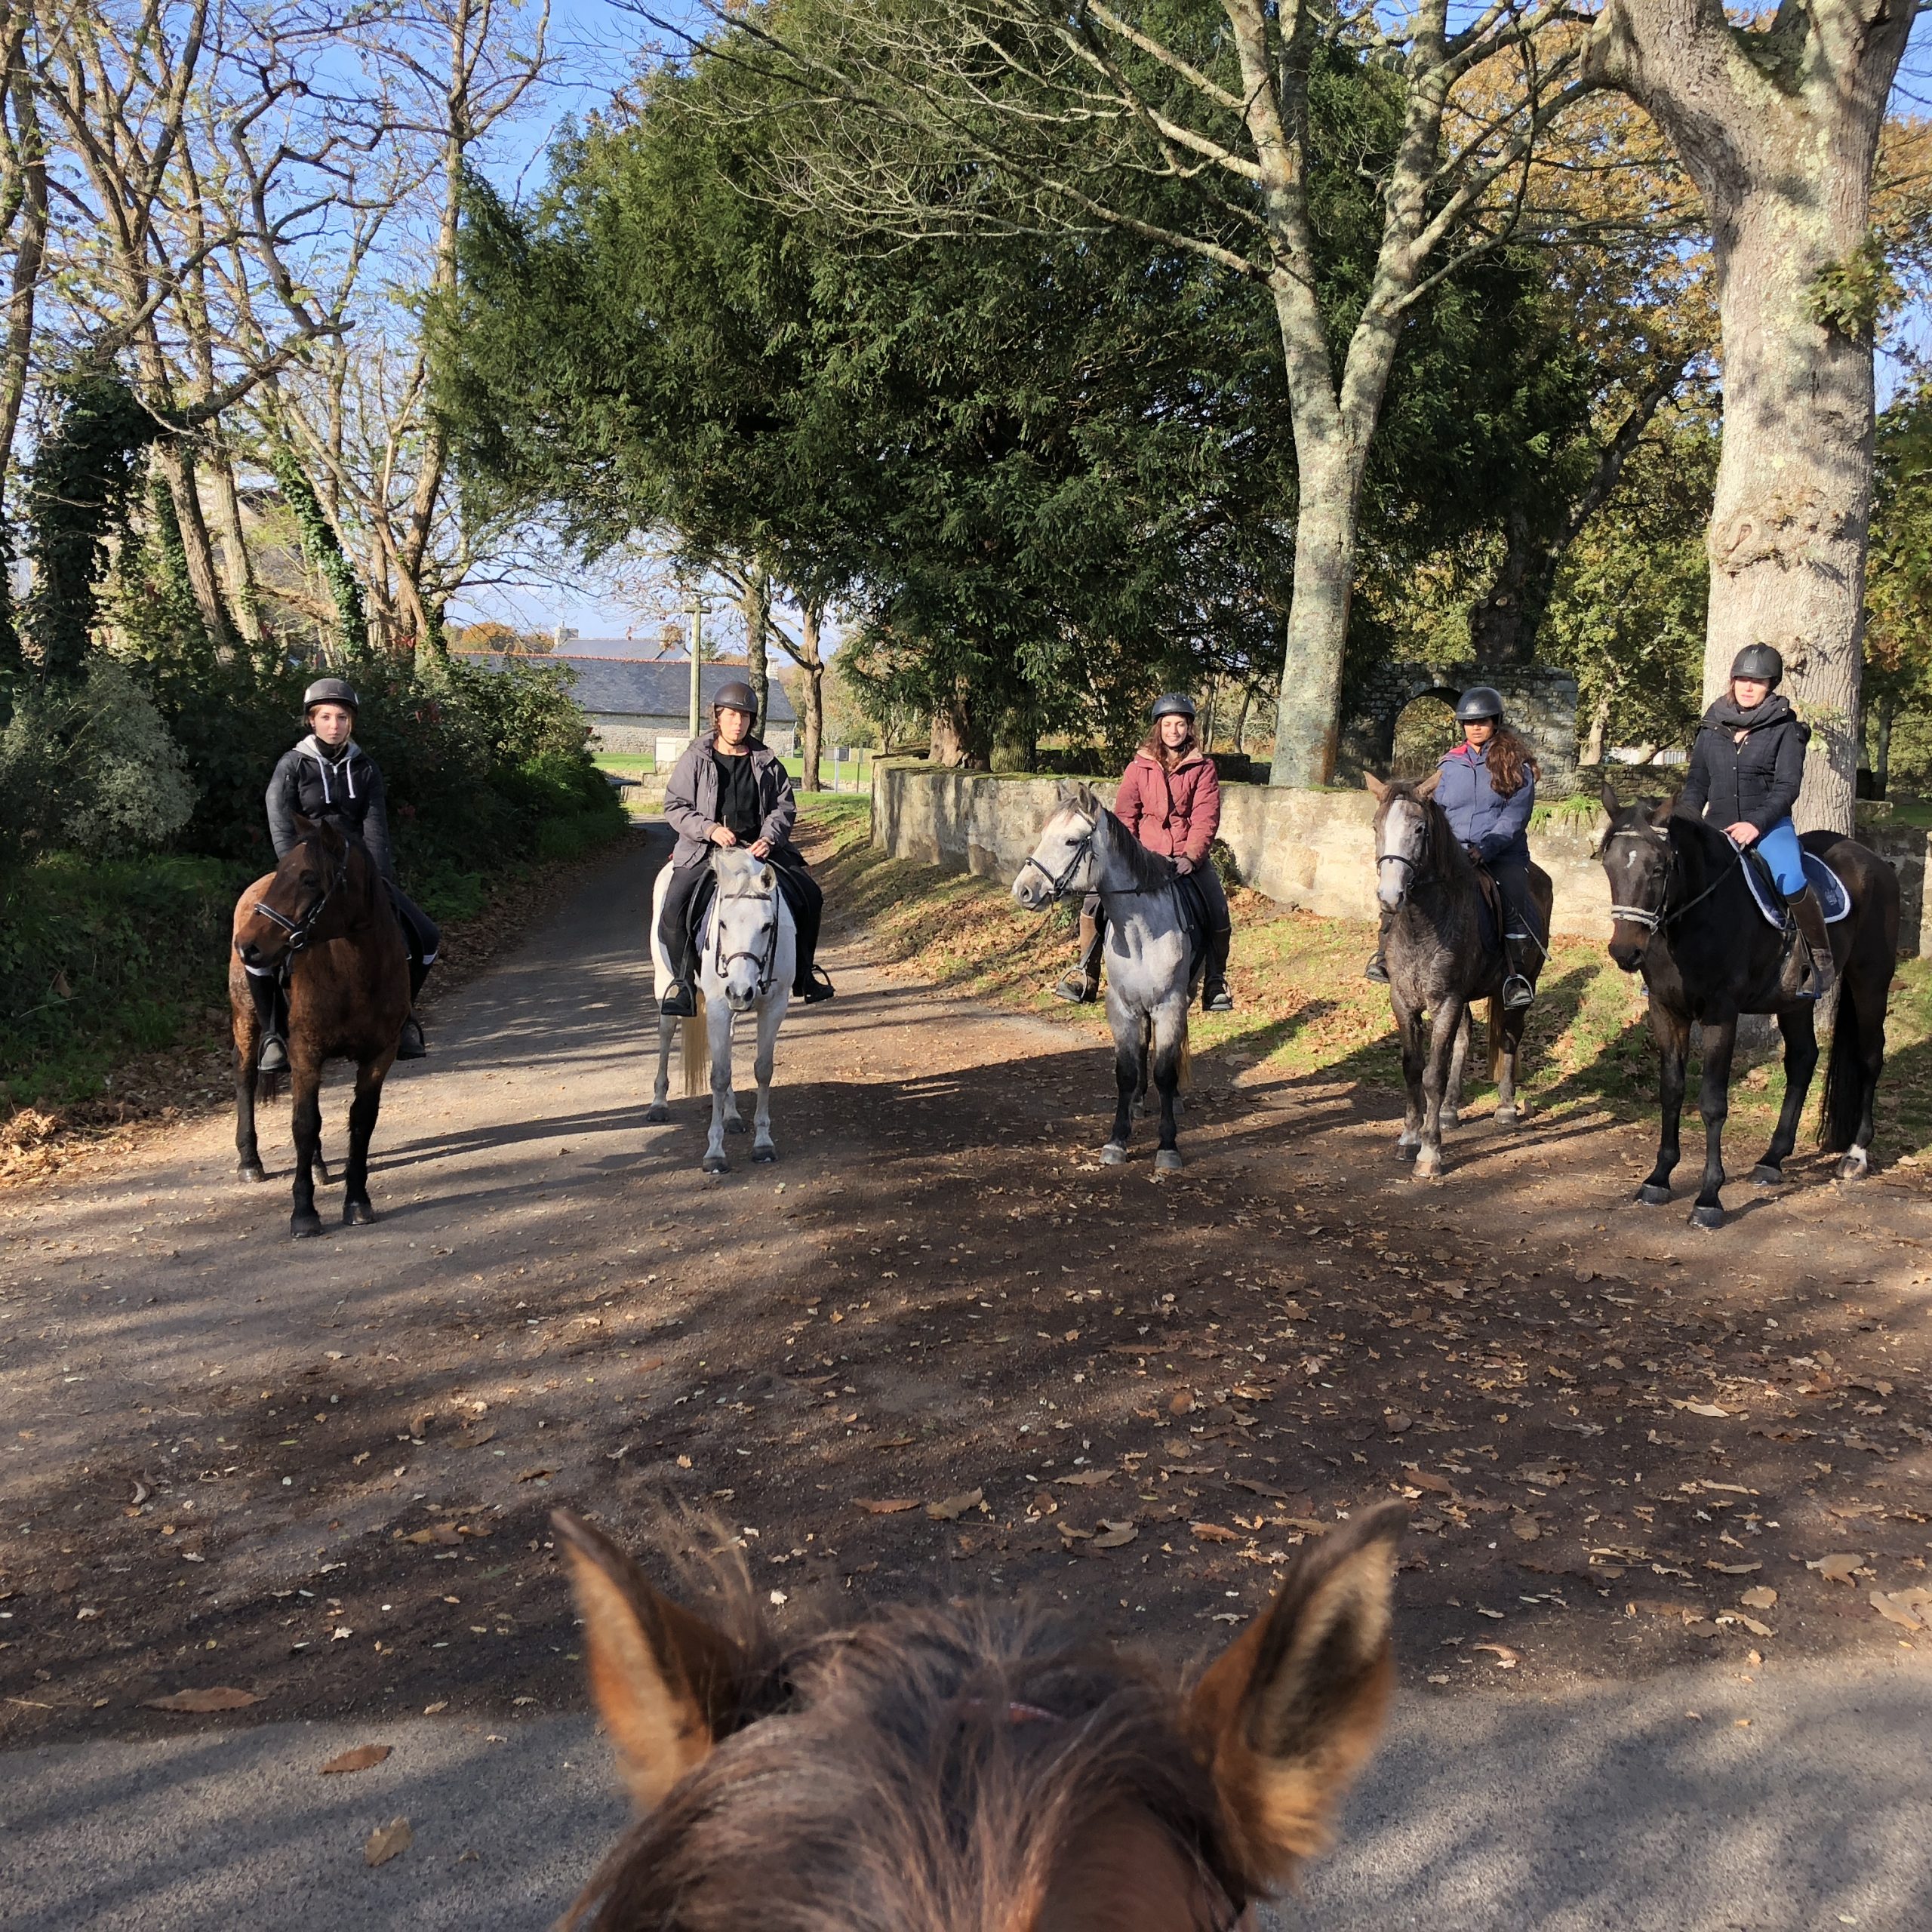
(343, 785)
(1756, 783)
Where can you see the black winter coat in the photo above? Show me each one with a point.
(343, 785)
(1756, 783)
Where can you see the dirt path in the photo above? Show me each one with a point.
(320, 1473)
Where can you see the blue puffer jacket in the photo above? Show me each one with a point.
(1497, 828)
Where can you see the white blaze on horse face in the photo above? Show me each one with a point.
(1404, 827)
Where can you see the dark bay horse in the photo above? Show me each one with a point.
(979, 1768)
(325, 910)
(1684, 917)
(1441, 961)
(1153, 969)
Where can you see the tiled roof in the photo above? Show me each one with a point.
(645, 687)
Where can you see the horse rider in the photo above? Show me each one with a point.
(329, 776)
(1486, 792)
(1170, 798)
(1747, 767)
(729, 789)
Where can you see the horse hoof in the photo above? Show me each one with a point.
(250, 1171)
(304, 1227)
(1451, 1118)
(1406, 1150)
(1707, 1217)
(357, 1214)
(1765, 1175)
(734, 1127)
(1113, 1154)
(765, 1155)
(657, 1114)
(1855, 1165)
(1168, 1160)
(1505, 1116)
(1652, 1196)
(716, 1163)
(1429, 1167)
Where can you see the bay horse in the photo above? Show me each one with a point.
(977, 1767)
(326, 912)
(1153, 968)
(1684, 916)
(746, 965)
(1441, 960)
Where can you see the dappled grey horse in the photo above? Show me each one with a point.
(1152, 970)
(1441, 961)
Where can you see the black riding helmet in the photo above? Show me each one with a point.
(1478, 702)
(331, 691)
(1174, 704)
(736, 696)
(1760, 661)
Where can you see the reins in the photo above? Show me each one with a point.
(1057, 886)
(1666, 914)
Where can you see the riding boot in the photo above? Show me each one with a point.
(1377, 968)
(1518, 988)
(272, 1049)
(1821, 972)
(1214, 995)
(1082, 985)
(678, 1002)
(411, 1045)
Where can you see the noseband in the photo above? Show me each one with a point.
(301, 930)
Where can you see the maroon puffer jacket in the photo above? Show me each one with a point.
(1175, 813)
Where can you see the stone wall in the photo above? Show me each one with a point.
(1310, 849)
(1542, 706)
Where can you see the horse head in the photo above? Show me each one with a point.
(1405, 816)
(281, 919)
(1636, 856)
(1062, 862)
(978, 1765)
(745, 925)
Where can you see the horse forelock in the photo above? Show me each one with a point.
(927, 1772)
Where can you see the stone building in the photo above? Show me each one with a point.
(1542, 706)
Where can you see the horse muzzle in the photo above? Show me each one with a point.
(1032, 897)
(1628, 944)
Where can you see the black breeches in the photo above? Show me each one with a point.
(1203, 886)
(1512, 875)
(419, 934)
(674, 923)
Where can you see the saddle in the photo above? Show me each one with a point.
(1193, 918)
(1826, 883)
(1493, 917)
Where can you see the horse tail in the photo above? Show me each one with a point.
(1843, 1105)
(1494, 1019)
(696, 1031)
(1184, 1065)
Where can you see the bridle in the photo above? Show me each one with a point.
(723, 961)
(301, 930)
(1665, 913)
(1083, 849)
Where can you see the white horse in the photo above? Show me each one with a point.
(747, 954)
(1152, 970)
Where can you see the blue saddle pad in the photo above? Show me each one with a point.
(1826, 883)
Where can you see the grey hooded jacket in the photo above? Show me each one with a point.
(344, 785)
(690, 799)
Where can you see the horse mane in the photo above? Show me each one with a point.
(842, 1813)
(734, 866)
(1114, 845)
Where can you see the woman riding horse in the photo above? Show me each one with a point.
(1170, 798)
(1746, 768)
(728, 790)
(1486, 792)
(329, 776)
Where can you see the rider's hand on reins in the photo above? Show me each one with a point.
(762, 849)
(1741, 834)
(722, 834)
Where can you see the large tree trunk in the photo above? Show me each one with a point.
(1308, 712)
(1779, 128)
(176, 459)
(956, 733)
(243, 594)
(755, 601)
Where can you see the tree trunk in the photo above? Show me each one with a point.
(243, 594)
(1882, 745)
(1308, 713)
(176, 459)
(1500, 625)
(30, 253)
(814, 694)
(1599, 727)
(1779, 128)
(754, 600)
(952, 739)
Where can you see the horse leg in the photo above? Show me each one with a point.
(1505, 1085)
(1129, 1076)
(1459, 1056)
(1799, 1028)
(734, 1122)
(1714, 1103)
(659, 1110)
(1447, 1023)
(771, 1014)
(1411, 1023)
(249, 1157)
(1169, 1032)
(723, 1105)
(1673, 1038)
(356, 1211)
(306, 1120)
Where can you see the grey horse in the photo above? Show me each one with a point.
(1439, 964)
(1152, 971)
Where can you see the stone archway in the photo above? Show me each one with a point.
(1422, 731)
(1542, 706)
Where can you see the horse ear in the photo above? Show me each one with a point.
(663, 1680)
(306, 827)
(1063, 791)
(1288, 1713)
(1089, 800)
(1661, 811)
(1426, 789)
(1607, 796)
(1375, 785)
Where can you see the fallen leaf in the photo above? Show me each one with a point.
(1398, 1423)
(221, 1697)
(1706, 1409)
(1428, 1480)
(1910, 1609)
(1113, 1536)
(430, 1710)
(1214, 1533)
(1506, 1658)
(446, 1534)
(386, 1840)
(1760, 1597)
(540, 1471)
(890, 1505)
(1086, 1478)
(1524, 1528)
(950, 1508)
(683, 1462)
(1180, 1405)
(1835, 1569)
(359, 1759)
(1756, 1628)
(1732, 1569)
